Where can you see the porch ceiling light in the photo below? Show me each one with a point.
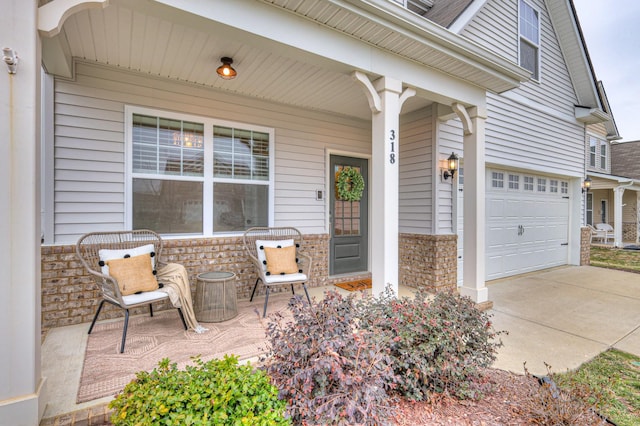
(586, 185)
(452, 166)
(225, 70)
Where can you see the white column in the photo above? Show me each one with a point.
(21, 383)
(384, 188)
(618, 194)
(474, 208)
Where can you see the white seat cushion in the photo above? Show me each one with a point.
(144, 297)
(276, 279)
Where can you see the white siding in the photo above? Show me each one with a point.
(450, 140)
(416, 182)
(496, 28)
(89, 146)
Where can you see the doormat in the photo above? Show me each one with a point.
(355, 285)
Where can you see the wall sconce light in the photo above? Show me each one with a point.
(11, 59)
(586, 185)
(225, 70)
(452, 166)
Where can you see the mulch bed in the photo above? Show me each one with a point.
(506, 404)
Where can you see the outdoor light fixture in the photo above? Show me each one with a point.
(452, 166)
(586, 185)
(11, 59)
(225, 70)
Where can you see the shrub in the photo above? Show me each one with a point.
(213, 392)
(436, 346)
(327, 370)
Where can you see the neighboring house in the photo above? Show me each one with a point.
(625, 161)
(138, 130)
(614, 196)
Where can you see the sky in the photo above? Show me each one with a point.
(612, 32)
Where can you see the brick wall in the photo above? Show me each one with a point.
(428, 261)
(585, 246)
(70, 296)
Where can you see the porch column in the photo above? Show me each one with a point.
(21, 383)
(618, 193)
(473, 285)
(385, 97)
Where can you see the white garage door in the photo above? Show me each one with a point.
(527, 223)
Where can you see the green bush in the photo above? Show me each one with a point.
(329, 372)
(217, 392)
(438, 345)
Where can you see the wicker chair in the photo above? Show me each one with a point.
(252, 235)
(88, 248)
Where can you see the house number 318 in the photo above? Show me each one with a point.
(392, 154)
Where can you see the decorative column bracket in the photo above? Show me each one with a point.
(463, 114)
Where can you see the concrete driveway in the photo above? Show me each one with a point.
(565, 316)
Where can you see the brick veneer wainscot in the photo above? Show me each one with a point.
(70, 295)
(585, 246)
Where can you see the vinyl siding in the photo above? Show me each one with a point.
(416, 183)
(554, 89)
(450, 140)
(89, 156)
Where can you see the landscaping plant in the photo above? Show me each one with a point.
(438, 345)
(329, 371)
(217, 392)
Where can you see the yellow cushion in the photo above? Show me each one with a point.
(281, 260)
(133, 274)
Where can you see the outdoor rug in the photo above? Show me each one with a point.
(150, 339)
(355, 285)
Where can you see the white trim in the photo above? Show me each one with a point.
(47, 140)
(207, 178)
(465, 17)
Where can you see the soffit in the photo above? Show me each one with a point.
(162, 41)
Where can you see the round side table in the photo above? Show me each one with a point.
(216, 297)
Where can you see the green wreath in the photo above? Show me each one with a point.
(350, 184)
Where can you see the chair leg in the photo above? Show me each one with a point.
(254, 290)
(266, 300)
(124, 330)
(292, 290)
(96, 316)
(306, 292)
(182, 318)
(150, 310)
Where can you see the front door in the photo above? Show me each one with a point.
(348, 221)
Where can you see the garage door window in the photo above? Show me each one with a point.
(553, 186)
(528, 183)
(497, 180)
(542, 185)
(514, 182)
(564, 187)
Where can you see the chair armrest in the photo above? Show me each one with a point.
(108, 286)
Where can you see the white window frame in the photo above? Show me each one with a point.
(596, 157)
(535, 44)
(208, 178)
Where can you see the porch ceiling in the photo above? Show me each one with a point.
(153, 38)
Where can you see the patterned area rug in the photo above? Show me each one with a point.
(150, 339)
(355, 285)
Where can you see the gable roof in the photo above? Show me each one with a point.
(445, 12)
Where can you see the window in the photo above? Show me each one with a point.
(528, 183)
(514, 182)
(194, 175)
(553, 186)
(542, 185)
(497, 180)
(564, 187)
(417, 6)
(529, 39)
(589, 208)
(597, 153)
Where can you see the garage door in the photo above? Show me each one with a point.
(527, 223)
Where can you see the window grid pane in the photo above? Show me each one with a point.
(542, 185)
(240, 154)
(514, 182)
(497, 180)
(528, 183)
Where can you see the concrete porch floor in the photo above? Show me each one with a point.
(563, 317)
